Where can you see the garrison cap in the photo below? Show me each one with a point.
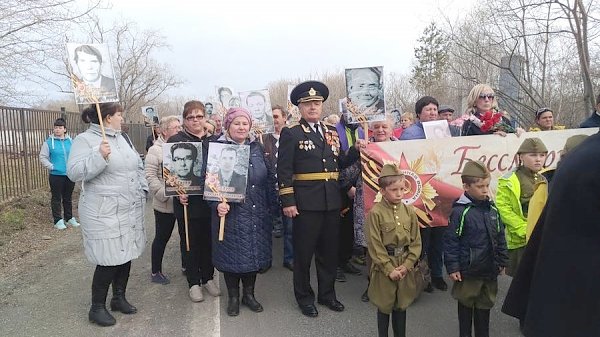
(389, 170)
(573, 141)
(309, 91)
(475, 169)
(532, 145)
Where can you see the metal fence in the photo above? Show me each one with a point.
(22, 133)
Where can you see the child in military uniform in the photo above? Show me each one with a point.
(394, 245)
(475, 251)
(514, 193)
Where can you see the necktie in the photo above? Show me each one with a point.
(317, 130)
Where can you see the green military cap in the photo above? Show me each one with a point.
(532, 145)
(475, 169)
(389, 170)
(573, 141)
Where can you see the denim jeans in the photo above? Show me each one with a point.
(288, 246)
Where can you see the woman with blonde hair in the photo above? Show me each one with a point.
(482, 115)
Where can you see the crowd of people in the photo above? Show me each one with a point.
(304, 184)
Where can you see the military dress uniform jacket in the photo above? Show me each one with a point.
(302, 151)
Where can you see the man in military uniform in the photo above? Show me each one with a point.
(308, 166)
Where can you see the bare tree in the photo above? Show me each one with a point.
(31, 31)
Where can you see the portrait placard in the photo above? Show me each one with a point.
(293, 111)
(227, 98)
(258, 103)
(150, 115)
(210, 108)
(437, 129)
(182, 168)
(364, 90)
(226, 172)
(92, 74)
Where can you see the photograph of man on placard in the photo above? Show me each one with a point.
(258, 102)
(92, 73)
(150, 115)
(225, 94)
(364, 87)
(293, 111)
(182, 167)
(226, 172)
(437, 129)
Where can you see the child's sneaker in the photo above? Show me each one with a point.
(60, 224)
(73, 222)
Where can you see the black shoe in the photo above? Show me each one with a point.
(365, 296)
(249, 300)
(289, 265)
(233, 306)
(339, 275)
(428, 288)
(439, 283)
(309, 310)
(334, 304)
(349, 268)
(120, 303)
(99, 315)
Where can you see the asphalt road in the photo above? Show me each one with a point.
(48, 295)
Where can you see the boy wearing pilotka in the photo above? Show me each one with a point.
(394, 245)
(475, 251)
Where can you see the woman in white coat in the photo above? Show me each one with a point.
(111, 207)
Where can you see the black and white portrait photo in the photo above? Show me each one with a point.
(227, 97)
(150, 114)
(293, 111)
(437, 129)
(226, 172)
(92, 73)
(364, 88)
(209, 108)
(258, 103)
(182, 167)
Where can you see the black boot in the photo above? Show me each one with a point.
(482, 322)
(383, 324)
(465, 320)
(248, 295)
(399, 323)
(233, 304)
(119, 284)
(100, 283)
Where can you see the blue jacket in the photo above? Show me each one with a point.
(55, 153)
(414, 131)
(474, 243)
(248, 226)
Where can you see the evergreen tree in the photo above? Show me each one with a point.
(431, 56)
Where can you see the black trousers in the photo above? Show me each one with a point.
(61, 188)
(232, 280)
(346, 243)
(433, 247)
(164, 223)
(104, 276)
(315, 233)
(199, 268)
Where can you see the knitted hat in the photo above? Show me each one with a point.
(475, 169)
(532, 145)
(233, 113)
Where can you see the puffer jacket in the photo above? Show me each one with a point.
(154, 176)
(113, 195)
(248, 225)
(54, 154)
(509, 204)
(474, 243)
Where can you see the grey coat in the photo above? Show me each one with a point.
(154, 176)
(113, 195)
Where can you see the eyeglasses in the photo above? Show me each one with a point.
(488, 96)
(191, 118)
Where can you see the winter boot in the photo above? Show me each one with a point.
(98, 313)
(119, 284)
(233, 304)
(248, 295)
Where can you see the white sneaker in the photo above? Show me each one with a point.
(60, 224)
(212, 288)
(196, 293)
(73, 222)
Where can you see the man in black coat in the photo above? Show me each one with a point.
(562, 298)
(309, 160)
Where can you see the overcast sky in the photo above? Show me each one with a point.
(247, 44)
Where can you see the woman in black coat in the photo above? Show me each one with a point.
(246, 247)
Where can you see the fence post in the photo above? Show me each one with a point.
(63, 113)
(25, 151)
